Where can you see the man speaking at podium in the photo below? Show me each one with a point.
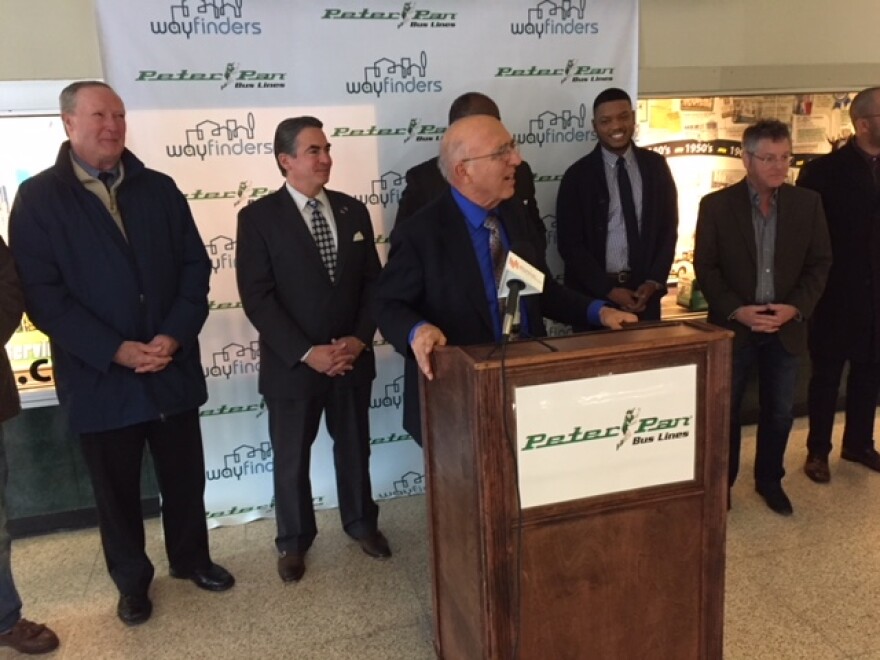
(440, 283)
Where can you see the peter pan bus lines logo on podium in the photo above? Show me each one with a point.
(555, 18)
(385, 190)
(557, 127)
(415, 130)
(571, 71)
(243, 461)
(634, 430)
(408, 16)
(234, 360)
(206, 18)
(228, 137)
(233, 76)
(388, 76)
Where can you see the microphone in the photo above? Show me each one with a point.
(519, 278)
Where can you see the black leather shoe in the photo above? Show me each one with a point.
(214, 578)
(134, 609)
(816, 468)
(291, 566)
(870, 458)
(376, 545)
(775, 498)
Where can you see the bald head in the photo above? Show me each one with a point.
(478, 157)
(865, 115)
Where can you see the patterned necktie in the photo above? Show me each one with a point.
(496, 246)
(630, 218)
(323, 238)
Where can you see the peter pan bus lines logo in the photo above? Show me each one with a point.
(234, 360)
(212, 17)
(227, 137)
(557, 127)
(384, 191)
(555, 17)
(243, 461)
(246, 193)
(233, 76)
(388, 76)
(571, 71)
(633, 430)
(408, 16)
(415, 130)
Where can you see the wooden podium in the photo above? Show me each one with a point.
(621, 573)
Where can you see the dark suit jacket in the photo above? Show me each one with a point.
(847, 319)
(11, 309)
(424, 183)
(725, 257)
(582, 223)
(433, 275)
(289, 297)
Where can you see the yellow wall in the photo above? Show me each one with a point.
(686, 46)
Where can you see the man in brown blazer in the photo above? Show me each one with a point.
(762, 256)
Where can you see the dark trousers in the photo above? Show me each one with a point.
(862, 390)
(293, 425)
(777, 374)
(114, 461)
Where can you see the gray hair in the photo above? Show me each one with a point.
(287, 133)
(766, 129)
(67, 98)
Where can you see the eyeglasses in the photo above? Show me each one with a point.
(501, 154)
(773, 160)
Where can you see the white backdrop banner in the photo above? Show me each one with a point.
(207, 81)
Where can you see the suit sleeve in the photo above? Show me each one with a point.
(48, 300)
(573, 237)
(707, 260)
(365, 326)
(399, 291)
(11, 297)
(412, 198)
(667, 225)
(525, 184)
(817, 262)
(189, 310)
(257, 289)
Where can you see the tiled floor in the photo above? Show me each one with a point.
(800, 587)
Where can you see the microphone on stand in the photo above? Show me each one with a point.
(519, 278)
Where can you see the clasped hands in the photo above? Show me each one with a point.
(147, 358)
(765, 318)
(337, 357)
(633, 301)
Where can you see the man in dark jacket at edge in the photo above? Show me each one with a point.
(115, 273)
(15, 632)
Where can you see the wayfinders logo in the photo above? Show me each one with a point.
(555, 17)
(389, 76)
(557, 127)
(221, 252)
(234, 360)
(206, 18)
(243, 461)
(228, 137)
(385, 190)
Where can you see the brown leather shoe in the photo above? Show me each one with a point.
(291, 567)
(376, 545)
(870, 458)
(816, 468)
(29, 637)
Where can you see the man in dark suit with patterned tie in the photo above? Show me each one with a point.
(617, 215)
(306, 265)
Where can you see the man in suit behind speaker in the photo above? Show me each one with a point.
(306, 265)
(762, 256)
(617, 214)
(424, 182)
